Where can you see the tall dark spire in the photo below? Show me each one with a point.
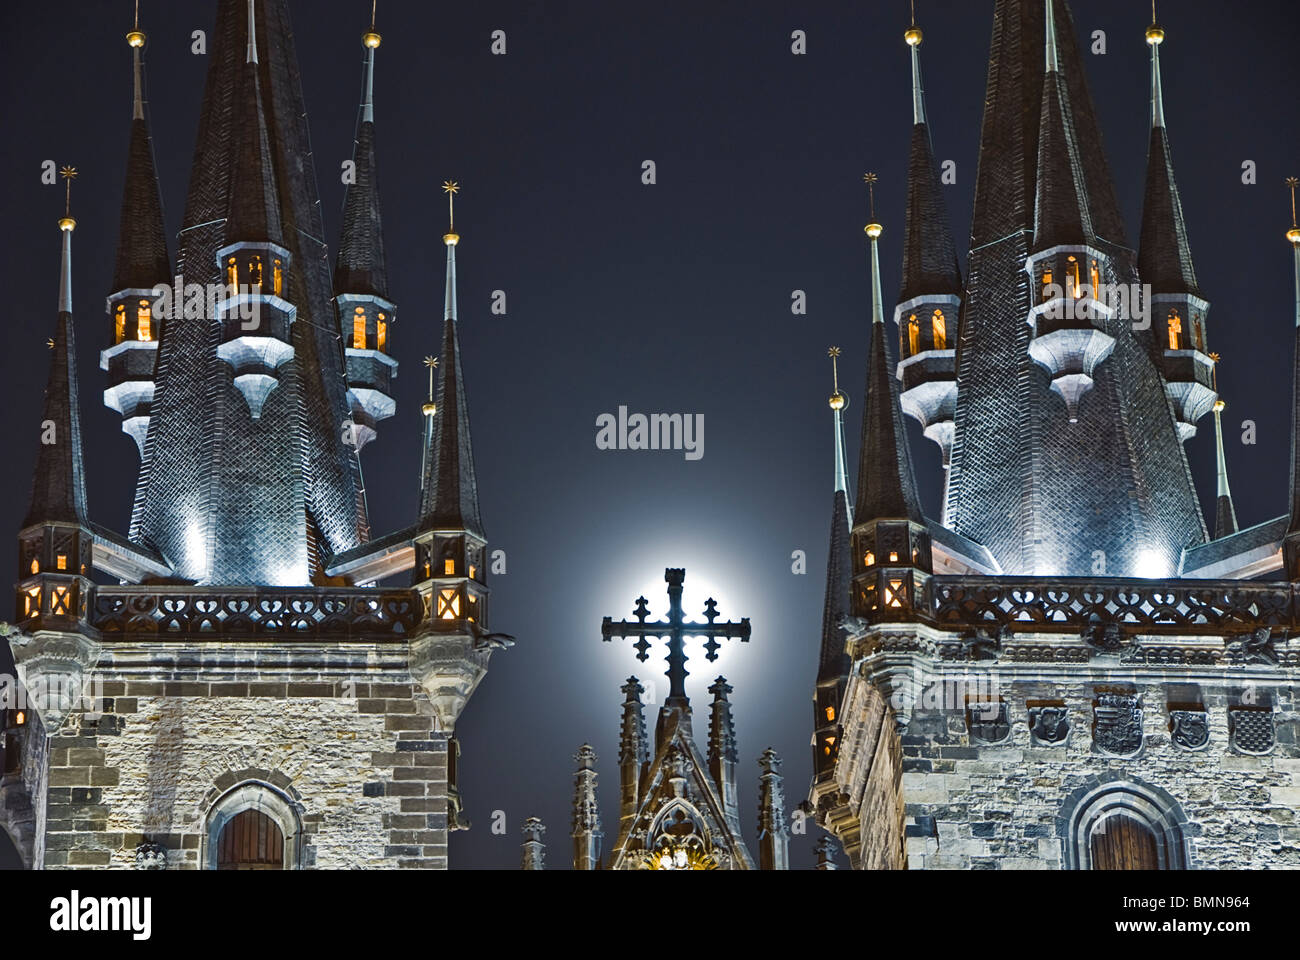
(361, 267)
(1164, 255)
(1062, 212)
(449, 489)
(254, 199)
(929, 255)
(59, 481)
(886, 488)
(142, 258)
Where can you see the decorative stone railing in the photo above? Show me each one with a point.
(255, 613)
(1048, 604)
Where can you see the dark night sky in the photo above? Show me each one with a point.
(666, 298)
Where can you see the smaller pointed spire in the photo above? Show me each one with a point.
(254, 207)
(886, 485)
(834, 661)
(773, 834)
(534, 850)
(136, 39)
(58, 481)
(633, 751)
(1061, 212)
(449, 497)
(586, 811)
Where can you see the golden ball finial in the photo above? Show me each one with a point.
(451, 239)
(371, 39)
(1155, 35)
(67, 224)
(873, 230)
(136, 38)
(913, 36)
(1218, 406)
(838, 401)
(430, 409)
(1294, 236)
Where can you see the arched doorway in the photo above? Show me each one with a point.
(252, 827)
(250, 841)
(1122, 842)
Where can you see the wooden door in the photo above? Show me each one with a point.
(251, 841)
(1123, 843)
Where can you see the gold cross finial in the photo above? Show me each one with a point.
(451, 188)
(837, 399)
(68, 174)
(873, 229)
(431, 363)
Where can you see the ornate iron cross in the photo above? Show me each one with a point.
(675, 630)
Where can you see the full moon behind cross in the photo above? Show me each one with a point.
(675, 630)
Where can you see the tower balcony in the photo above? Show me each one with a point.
(365, 321)
(927, 368)
(255, 320)
(1068, 324)
(131, 360)
(1178, 322)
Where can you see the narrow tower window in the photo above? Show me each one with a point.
(1175, 330)
(913, 336)
(279, 278)
(232, 275)
(1096, 279)
(449, 567)
(1199, 331)
(1047, 282)
(255, 272)
(940, 329)
(144, 322)
(1072, 278)
(119, 323)
(359, 329)
(381, 333)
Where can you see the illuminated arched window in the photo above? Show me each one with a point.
(1175, 330)
(359, 329)
(144, 322)
(913, 336)
(1047, 281)
(279, 278)
(1072, 278)
(119, 323)
(232, 273)
(1096, 278)
(255, 272)
(381, 333)
(939, 327)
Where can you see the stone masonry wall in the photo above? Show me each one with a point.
(976, 806)
(355, 750)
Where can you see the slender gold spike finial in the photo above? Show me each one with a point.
(838, 401)
(67, 223)
(1294, 233)
(451, 188)
(913, 33)
(873, 229)
(429, 408)
(371, 38)
(136, 37)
